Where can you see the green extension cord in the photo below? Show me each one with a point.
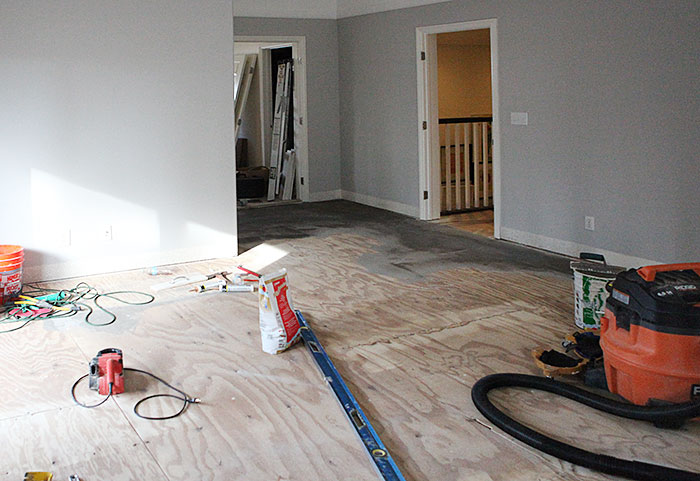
(76, 299)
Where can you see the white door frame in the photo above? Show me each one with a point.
(428, 139)
(301, 132)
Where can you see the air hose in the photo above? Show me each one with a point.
(599, 462)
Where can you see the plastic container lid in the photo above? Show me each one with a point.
(595, 269)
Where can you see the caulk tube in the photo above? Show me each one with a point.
(210, 286)
(236, 288)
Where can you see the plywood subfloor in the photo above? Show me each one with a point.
(409, 348)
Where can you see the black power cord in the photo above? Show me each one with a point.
(187, 400)
(184, 397)
(606, 464)
(89, 406)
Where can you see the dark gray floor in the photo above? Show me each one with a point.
(408, 249)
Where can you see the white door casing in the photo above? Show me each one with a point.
(301, 133)
(428, 140)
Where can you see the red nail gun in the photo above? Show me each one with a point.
(107, 372)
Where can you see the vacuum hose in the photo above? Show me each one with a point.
(607, 464)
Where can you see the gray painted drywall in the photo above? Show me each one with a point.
(116, 114)
(611, 91)
(322, 86)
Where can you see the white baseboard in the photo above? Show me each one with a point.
(324, 196)
(397, 207)
(106, 264)
(571, 249)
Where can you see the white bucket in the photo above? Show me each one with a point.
(590, 295)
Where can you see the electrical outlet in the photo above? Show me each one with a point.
(107, 233)
(518, 118)
(589, 223)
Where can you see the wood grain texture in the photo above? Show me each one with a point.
(425, 381)
(93, 443)
(410, 350)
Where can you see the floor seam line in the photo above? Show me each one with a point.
(429, 331)
(126, 417)
(34, 413)
(143, 442)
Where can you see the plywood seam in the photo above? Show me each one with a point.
(521, 446)
(34, 413)
(430, 330)
(143, 443)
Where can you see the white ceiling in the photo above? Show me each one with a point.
(320, 8)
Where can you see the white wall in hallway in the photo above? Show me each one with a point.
(116, 115)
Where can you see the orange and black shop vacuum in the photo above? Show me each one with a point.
(650, 337)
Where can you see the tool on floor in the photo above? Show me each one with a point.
(650, 338)
(236, 288)
(650, 333)
(378, 453)
(209, 286)
(237, 285)
(74, 477)
(107, 372)
(106, 376)
(583, 352)
(38, 476)
(180, 281)
(248, 271)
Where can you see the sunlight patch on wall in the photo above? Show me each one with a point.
(72, 219)
(211, 242)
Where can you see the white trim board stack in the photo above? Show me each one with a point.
(279, 128)
(243, 89)
(289, 169)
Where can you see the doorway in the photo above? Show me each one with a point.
(459, 153)
(268, 141)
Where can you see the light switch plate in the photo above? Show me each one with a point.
(518, 118)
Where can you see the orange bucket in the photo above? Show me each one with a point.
(8, 252)
(11, 260)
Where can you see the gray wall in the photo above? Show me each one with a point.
(116, 114)
(612, 94)
(322, 85)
